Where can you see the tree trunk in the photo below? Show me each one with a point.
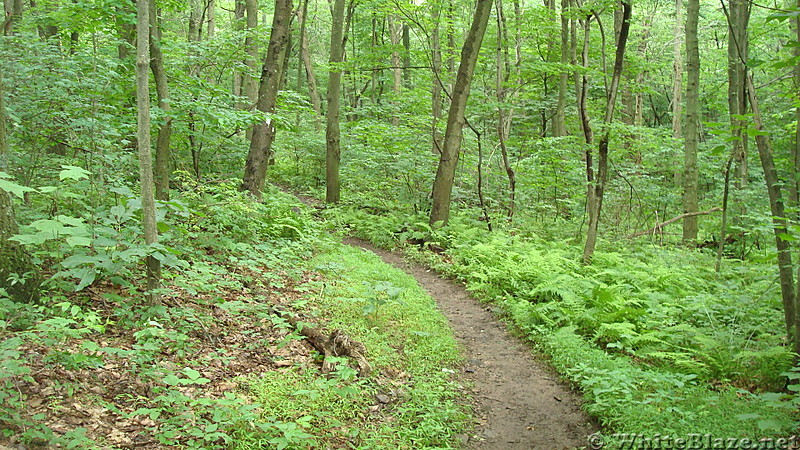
(14, 259)
(406, 56)
(211, 14)
(332, 138)
(238, 74)
(739, 18)
(677, 83)
(445, 174)
(395, 34)
(436, 90)
(789, 291)
(504, 115)
(263, 133)
(305, 57)
(795, 150)
(12, 15)
(559, 125)
(690, 174)
(595, 207)
(143, 142)
(162, 91)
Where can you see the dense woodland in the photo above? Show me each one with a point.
(621, 180)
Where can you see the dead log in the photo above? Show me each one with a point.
(337, 343)
(658, 229)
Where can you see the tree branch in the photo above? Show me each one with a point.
(658, 228)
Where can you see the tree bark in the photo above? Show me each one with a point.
(795, 149)
(596, 204)
(263, 133)
(14, 259)
(677, 84)
(143, 143)
(739, 18)
(559, 125)
(504, 115)
(395, 34)
(162, 167)
(308, 67)
(690, 173)
(332, 135)
(445, 174)
(789, 291)
(436, 89)
(12, 15)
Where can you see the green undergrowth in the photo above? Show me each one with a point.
(91, 365)
(410, 401)
(656, 340)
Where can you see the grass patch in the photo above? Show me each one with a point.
(410, 401)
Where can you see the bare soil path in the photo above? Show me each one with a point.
(518, 400)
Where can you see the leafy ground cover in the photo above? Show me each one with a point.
(91, 365)
(654, 338)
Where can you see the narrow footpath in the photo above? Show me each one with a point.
(518, 400)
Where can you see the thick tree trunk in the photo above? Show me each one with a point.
(690, 172)
(445, 174)
(143, 142)
(332, 135)
(255, 169)
(162, 167)
(596, 205)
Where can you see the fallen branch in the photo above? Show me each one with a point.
(658, 228)
(336, 344)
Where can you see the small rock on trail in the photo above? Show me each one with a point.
(518, 401)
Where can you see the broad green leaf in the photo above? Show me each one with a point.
(14, 188)
(73, 173)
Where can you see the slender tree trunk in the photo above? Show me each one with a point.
(406, 56)
(795, 150)
(250, 83)
(445, 174)
(332, 135)
(436, 89)
(162, 91)
(239, 74)
(690, 173)
(559, 125)
(779, 223)
(263, 133)
(395, 34)
(143, 142)
(212, 18)
(308, 67)
(739, 17)
(596, 206)
(677, 84)
(504, 115)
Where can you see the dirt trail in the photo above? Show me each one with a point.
(519, 403)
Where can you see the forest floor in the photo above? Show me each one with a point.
(518, 400)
